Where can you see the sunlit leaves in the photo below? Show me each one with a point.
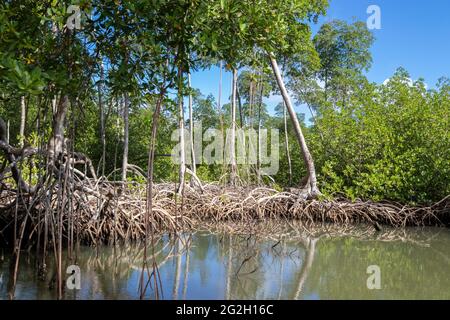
(389, 142)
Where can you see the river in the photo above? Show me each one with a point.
(325, 263)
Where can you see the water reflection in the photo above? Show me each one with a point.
(288, 262)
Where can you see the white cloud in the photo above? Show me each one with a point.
(273, 99)
(409, 81)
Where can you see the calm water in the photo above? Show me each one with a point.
(318, 264)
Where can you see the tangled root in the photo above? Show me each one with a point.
(107, 214)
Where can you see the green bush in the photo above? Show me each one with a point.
(388, 142)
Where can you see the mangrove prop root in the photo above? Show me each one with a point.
(99, 212)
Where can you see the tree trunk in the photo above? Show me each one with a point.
(254, 89)
(250, 103)
(125, 137)
(56, 143)
(286, 135)
(151, 160)
(232, 144)
(250, 125)
(219, 110)
(258, 162)
(149, 193)
(7, 132)
(191, 128)
(102, 119)
(182, 170)
(23, 112)
(310, 189)
(241, 119)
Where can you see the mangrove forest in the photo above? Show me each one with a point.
(140, 145)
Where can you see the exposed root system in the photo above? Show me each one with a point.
(110, 213)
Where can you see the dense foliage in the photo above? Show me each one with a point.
(370, 141)
(388, 142)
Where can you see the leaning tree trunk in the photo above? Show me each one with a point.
(310, 247)
(232, 144)
(258, 162)
(286, 136)
(310, 188)
(125, 138)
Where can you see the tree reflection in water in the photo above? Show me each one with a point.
(267, 261)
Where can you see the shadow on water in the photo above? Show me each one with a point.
(286, 262)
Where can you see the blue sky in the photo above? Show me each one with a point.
(414, 34)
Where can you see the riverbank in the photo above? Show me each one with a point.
(107, 213)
